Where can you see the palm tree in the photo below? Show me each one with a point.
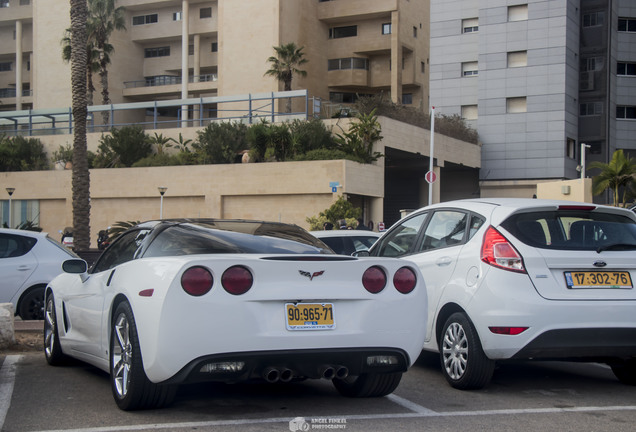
(285, 64)
(81, 176)
(104, 19)
(619, 172)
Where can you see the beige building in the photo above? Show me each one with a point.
(178, 49)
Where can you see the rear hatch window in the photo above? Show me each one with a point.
(573, 230)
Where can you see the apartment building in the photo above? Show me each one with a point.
(549, 85)
(177, 49)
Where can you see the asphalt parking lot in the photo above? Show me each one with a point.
(524, 396)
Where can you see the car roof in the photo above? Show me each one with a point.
(25, 233)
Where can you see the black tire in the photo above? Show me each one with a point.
(368, 385)
(625, 371)
(32, 304)
(464, 364)
(52, 349)
(131, 387)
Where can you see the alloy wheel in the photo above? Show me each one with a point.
(455, 351)
(122, 356)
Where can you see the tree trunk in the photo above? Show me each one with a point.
(81, 178)
(103, 75)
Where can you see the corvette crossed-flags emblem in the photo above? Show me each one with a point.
(311, 276)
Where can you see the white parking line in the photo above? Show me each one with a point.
(421, 412)
(7, 379)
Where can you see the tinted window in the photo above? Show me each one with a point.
(580, 230)
(121, 251)
(401, 240)
(12, 246)
(191, 239)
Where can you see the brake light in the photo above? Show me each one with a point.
(512, 331)
(497, 251)
(577, 207)
(404, 280)
(197, 281)
(237, 280)
(374, 279)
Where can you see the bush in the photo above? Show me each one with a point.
(310, 135)
(159, 159)
(22, 154)
(326, 154)
(221, 142)
(341, 209)
(123, 147)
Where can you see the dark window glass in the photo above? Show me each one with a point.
(215, 46)
(400, 241)
(205, 12)
(12, 246)
(157, 52)
(121, 251)
(343, 32)
(573, 230)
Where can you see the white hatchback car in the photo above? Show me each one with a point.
(521, 279)
(28, 261)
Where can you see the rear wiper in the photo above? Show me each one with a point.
(616, 246)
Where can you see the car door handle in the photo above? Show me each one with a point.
(24, 268)
(443, 261)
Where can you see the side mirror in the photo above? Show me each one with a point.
(75, 266)
(361, 253)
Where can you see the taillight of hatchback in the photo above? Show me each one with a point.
(497, 251)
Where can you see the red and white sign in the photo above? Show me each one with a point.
(430, 176)
(381, 226)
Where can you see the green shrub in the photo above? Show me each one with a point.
(123, 147)
(22, 154)
(326, 154)
(158, 159)
(341, 209)
(221, 142)
(310, 135)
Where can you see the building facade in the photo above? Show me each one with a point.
(178, 49)
(548, 85)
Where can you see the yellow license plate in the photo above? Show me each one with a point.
(310, 316)
(598, 279)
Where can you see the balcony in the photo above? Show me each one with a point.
(169, 85)
(333, 12)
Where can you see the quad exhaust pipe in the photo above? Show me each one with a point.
(273, 374)
(330, 372)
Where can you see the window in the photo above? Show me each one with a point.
(145, 19)
(570, 148)
(469, 112)
(345, 97)
(591, 109)
(343, 32)
(627, 25)
(12, 246)
(348, 63)
(5, 66)
(157, 52)
(205, 12)
(470, 69)
(4, 3)
(516, 105)
(517, 59)
(592, 64)
(593, 19)
(470, 25)
(386, 28)
(422, 67)
(190, 49)
(401, 241)
(626, 112)
(215, 47)
(518, 13)
(414, 32)
(446, 228)
(177, 16)
(407, 99)
(25, 2)
(626, 69)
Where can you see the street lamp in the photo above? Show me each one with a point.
(10, 191)
(162, 191)
(583, 147)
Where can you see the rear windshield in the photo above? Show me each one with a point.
(573, 230)
(190, 240)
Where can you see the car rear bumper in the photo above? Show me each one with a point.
(287, 365)
(593, 343)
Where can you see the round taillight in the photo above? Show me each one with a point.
(374, 279)
(237, 280)
(197, 281)
(404, 280)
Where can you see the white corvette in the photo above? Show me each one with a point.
(179, 301)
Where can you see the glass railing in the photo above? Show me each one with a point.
(164, 80)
